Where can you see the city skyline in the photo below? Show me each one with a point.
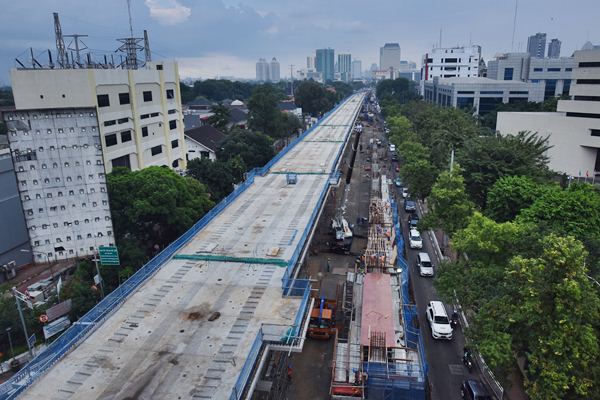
(233, 37)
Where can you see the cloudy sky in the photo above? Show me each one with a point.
(226, 37)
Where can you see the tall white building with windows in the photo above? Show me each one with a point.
(274, 70)
(72, 126)
(453, 62)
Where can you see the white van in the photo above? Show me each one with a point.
(424, 264)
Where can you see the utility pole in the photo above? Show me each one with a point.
(292, 78)
(12, 352)
(451, 160)
(96, 255)
(14, 290)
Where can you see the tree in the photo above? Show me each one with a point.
(450, 207)
(264, 115)
(557, 306)
(313, 98)
(220, 118)
(400, 90)
(219, 176)
(511, 194)
(401, 130)
(411, 151)
(81, 290)
(420, 176)
(154, 205)
(255, 149)
(486, 159)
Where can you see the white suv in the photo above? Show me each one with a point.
(438, 320)
(414, 240)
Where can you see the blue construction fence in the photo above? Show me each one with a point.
(385, 382)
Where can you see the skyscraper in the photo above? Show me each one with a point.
(536, 45)
(325, 64)
(310, 63)
(389, 57)
(262, 70)
(274, 70)
(356, 69)
(554, 48)
(345, 67)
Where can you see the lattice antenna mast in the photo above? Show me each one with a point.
(147, 52)
(77, 48)
(130, 23)
(130, 46)
(60, 43)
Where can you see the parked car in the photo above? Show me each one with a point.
(395, 158)
(415, 240)
(424, 264)
(397, 166)
(398, 182)
(472, 389)
(413, 220)
(409, 205)
(404, 192)
(368, 167)
(392, 148)
(438, 320)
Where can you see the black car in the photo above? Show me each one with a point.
(472, 389)
(409, 205)
(412, 220)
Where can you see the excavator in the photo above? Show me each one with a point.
(322, 320)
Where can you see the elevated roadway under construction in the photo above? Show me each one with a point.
(189, 330)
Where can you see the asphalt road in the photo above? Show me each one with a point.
(446, 370)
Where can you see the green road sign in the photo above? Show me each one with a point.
(109, 255)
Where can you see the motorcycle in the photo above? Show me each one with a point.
(454, 320)
(467, 360)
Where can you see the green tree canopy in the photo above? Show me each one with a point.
(412, 151)
(219, 176)
(485, 159)
(400, 90)
(420, 176)
(220, 119)
(154, 205)
(313, 98)
(450, 207)
(511, 194)
(254, 148)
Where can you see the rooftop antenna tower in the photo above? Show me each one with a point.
(440, 37)
(60, 43)
(77, 48)
(147, 47)
(512, 44)
(131, 45)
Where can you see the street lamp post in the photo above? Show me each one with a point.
(14, 290)
(12, 352)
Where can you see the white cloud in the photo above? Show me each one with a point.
(216, 65)
(168, 12)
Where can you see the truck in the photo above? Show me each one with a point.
(343, 234)
(322, 324)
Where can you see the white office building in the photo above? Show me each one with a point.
(553, 73)
(345, 66)
(357, 70)
(138, 111)
(454, 62)
(481, 95)
(574, 129)
(262, 70)
(61, 179)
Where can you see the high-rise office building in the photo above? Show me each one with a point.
(554, 48)
(324, 63)
(262, 70)
(310, 63)
(356, 69)
(345, 67)
(389, 58)
(536, 45)
(274, 70)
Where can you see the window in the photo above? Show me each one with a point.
(159, 67)
(111, 139)
(172, 111)
(465, 92)
(60, 130)
(154, 115)
(519, 92)
(538, 69)
(173, 124)
(568, 69)
(491, 92)
(595, 132)
(103, 100)
(124, 98)
(144, 131)
(553, 69)
(125, 136)
(110, 123)
(170, 94)
(147, 95)
(175, 164)
(589, 81)
(122, 120)
(508, 74)
(144, 116)
(174, 144)
(592, 64)
(156, 150)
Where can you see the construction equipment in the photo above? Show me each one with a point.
(322, 324)
(343, 235)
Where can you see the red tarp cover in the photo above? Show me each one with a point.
(377, 308)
